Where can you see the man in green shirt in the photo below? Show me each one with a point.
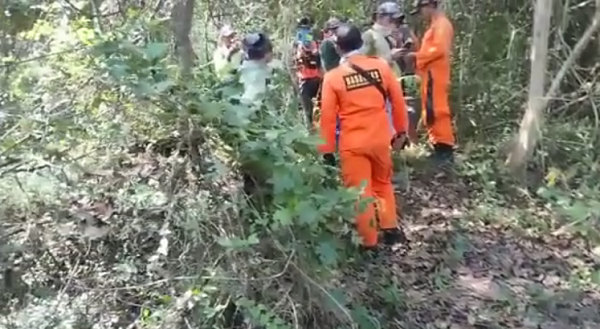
(330, 58)
(379, 40)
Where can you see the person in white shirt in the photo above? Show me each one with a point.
(228, 56)
(255, 71)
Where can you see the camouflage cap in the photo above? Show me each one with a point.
(332, 23)
(390, 8)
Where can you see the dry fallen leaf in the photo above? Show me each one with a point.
(94, 232)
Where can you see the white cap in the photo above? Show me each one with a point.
(226, 31)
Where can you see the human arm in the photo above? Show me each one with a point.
(415, 41)
(368, 43)
(436, 47)
(234, 50)
(329, 108)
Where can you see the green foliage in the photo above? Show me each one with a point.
(123, 200)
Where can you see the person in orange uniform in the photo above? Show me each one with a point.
(355, 93)
(433, 66)
(308, 67)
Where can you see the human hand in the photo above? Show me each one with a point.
(399, 142)
(233, 49)
(402, 53)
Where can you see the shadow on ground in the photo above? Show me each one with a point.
(463, 274)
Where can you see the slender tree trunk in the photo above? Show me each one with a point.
(530, 130)
(181, 20)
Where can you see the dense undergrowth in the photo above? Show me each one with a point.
(123, 201)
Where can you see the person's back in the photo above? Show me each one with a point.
(362, 108)
(254, 73)
(355, 94)
(254, 77)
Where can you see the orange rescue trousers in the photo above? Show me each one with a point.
(372, 166)
(436, 113)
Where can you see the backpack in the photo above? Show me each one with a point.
(309, 59)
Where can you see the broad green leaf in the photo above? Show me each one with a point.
(156, 50)
(327, 253)
(307, 213)
(579, 211)
(283, 217)
(282, 181)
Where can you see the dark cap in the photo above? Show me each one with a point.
(257, 45)
(305, 21)
(391, 9)
(417, 4)
(348, 37)
(332, 24)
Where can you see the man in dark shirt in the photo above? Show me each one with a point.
(406, 38)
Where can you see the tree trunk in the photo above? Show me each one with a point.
(530, 130)
(181, 20)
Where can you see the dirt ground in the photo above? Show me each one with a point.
(462, 273)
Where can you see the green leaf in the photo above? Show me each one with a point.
(282, 181)
(307, 213)
(596, 277)
(364, 319)
(118, 71)
(327, 253)
(283, 217)
(156, 50)
(163, 86)
(579, 211)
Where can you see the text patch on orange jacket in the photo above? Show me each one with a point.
(360, 106)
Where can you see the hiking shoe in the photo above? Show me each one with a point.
(394, 237)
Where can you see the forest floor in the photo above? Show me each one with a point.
(472, 268)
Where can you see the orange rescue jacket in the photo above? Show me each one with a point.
(433, 65)
(360, 106)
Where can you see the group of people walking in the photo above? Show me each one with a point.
(361, 82)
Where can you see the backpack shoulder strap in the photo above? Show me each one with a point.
(390, 41)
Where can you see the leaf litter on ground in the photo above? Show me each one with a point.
(475, 275)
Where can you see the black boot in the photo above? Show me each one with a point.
(443, 154)
(394, 236)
